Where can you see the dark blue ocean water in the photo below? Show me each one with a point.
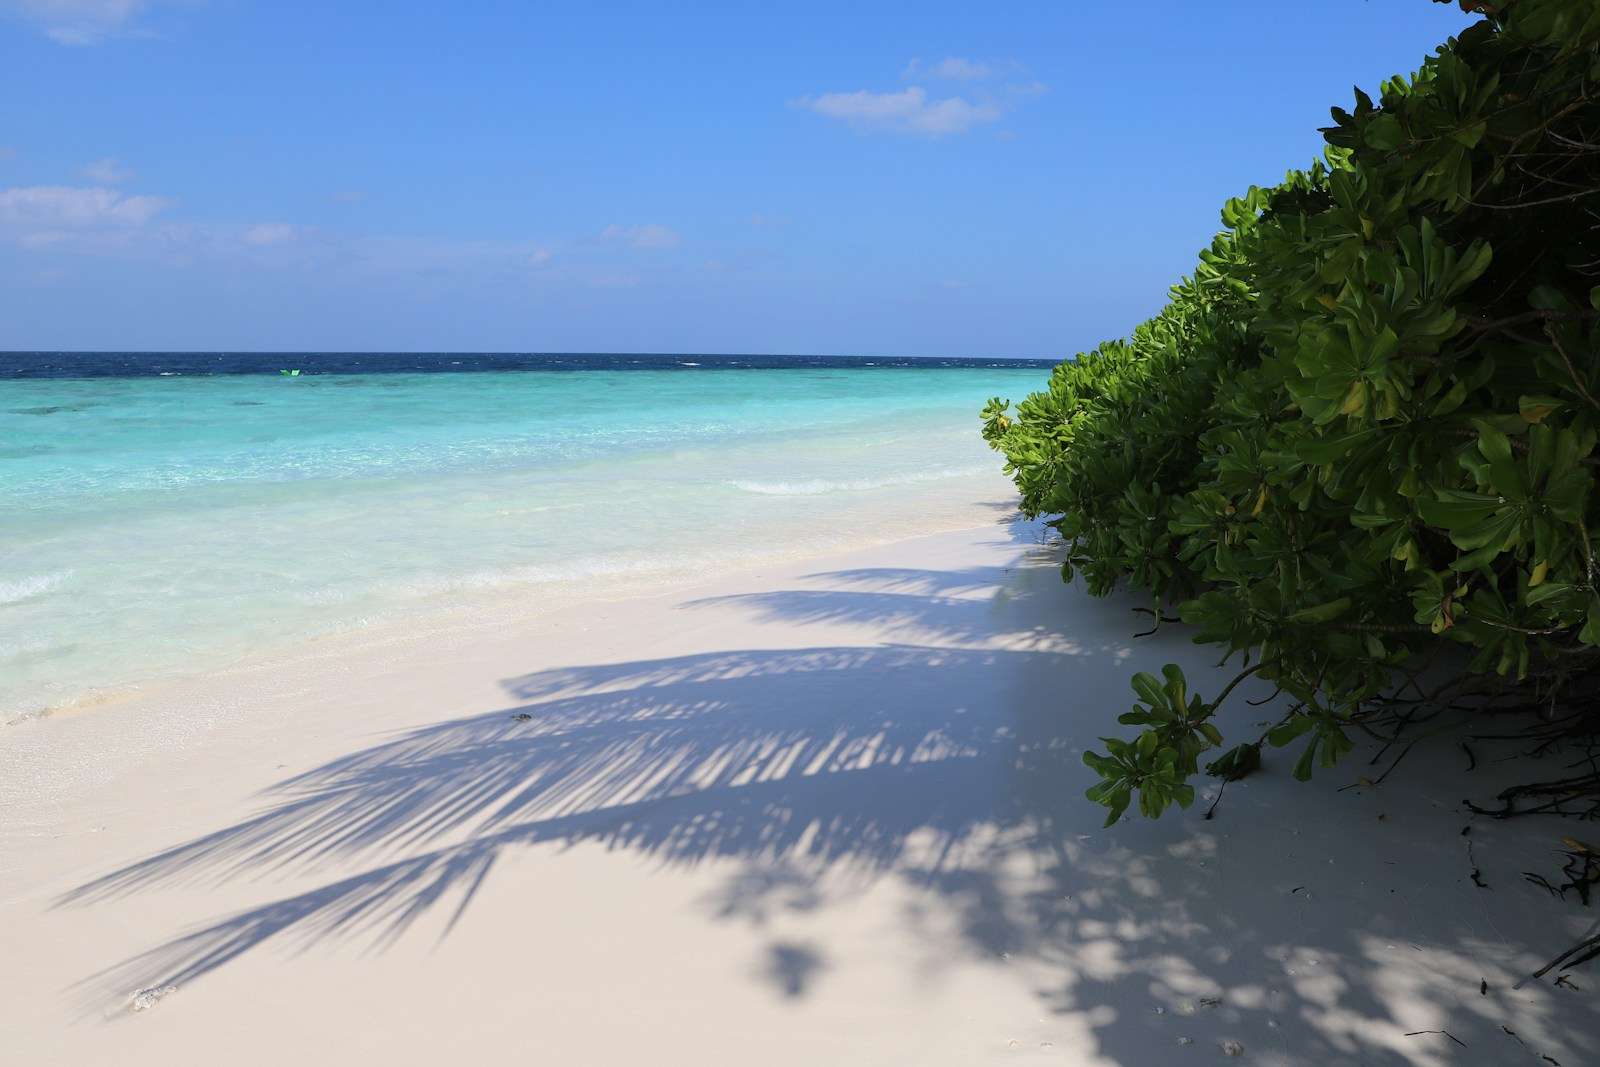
(142, 364)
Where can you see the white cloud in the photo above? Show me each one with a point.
(650, 235)
(541, 257)
(107, 171)
(78, 22)
(75, 207)
(908, 111)
(269, 233)
(952, 68)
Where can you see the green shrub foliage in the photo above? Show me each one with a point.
(1363, 432)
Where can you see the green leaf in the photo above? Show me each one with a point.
(1176, 687)
(1287, 731)
(1590, 634)
(1149, 689)
(1472, 265)
(1117, 802)
(1469, 136)
(1303, 765)
(1236, 762)
(1322, 612)
(1495, 532)
(1451, 400)
(1099, 764)
(1534, 409)
(1547, 591)
(1383, 132)
(1547, 298)
(1454, 508)
(1146, 745)
(1320, 450)
(1495, 446)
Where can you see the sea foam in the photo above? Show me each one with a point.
(15, 590)
(823, 486)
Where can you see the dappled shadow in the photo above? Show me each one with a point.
(926, 604)
(792, 968)
(950, 765)
(660, 756)
(837, 756)
(921, 581)
(948, 618)
(1022, 529)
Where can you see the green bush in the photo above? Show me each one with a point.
(1363, 432)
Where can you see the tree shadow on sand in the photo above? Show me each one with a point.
(951, 763)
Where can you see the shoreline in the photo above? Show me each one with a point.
(323, 505)
(456, 613)
(827, 809)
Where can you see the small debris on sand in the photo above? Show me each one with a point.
(1185, 1040)
(145, 999)
(522, 716)
(1232, 1048)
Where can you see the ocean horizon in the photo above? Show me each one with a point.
(172, 513)
(138, 364)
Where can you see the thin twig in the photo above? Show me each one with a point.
(1247, 672)
(1446, 1033)
(1536, 203)
(1539, 315)
(1550, 332)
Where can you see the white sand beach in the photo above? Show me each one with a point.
(829, 811)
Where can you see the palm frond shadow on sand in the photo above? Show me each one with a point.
(947, 763)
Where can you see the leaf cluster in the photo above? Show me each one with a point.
(1363, 430)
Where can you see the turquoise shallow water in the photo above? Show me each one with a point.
(161, 525)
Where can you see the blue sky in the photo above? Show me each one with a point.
(929, 179)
